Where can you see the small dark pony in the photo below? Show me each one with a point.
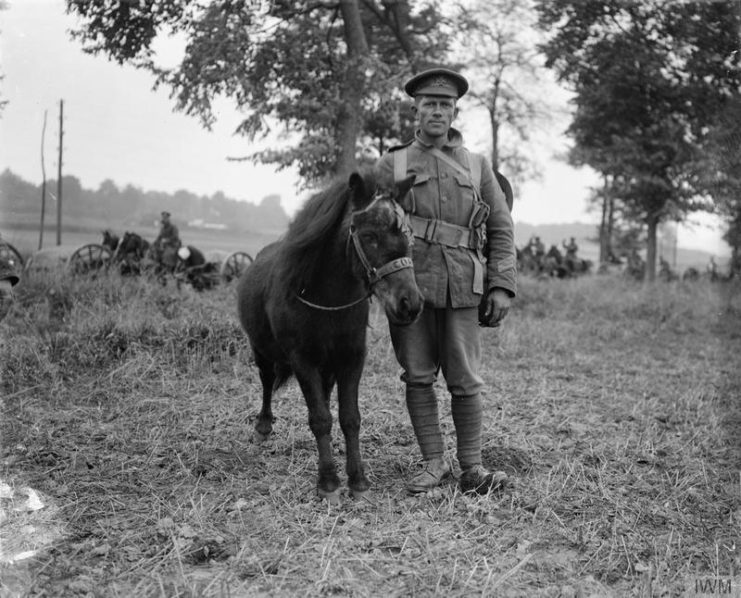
(110, 240)
(304, 305)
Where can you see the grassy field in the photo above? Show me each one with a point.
(127, 408)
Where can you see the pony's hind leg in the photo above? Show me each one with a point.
(269, 380)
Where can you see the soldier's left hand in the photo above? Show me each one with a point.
(494, 308)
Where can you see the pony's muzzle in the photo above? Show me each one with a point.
(400, 297)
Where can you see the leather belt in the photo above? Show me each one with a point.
(441, 232)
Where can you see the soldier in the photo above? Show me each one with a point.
(168, 238)
(168, 235)
(464, 262)
(570, 258)
(712, 269)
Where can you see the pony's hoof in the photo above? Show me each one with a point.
(333, 498)
(259, 437)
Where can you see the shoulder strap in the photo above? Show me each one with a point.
(473, 173)
(400, 164)
(475, 166)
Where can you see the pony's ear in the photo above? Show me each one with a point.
(360, 195)
(402, 187)
(355, 182)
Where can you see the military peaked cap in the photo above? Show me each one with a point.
(437, 82)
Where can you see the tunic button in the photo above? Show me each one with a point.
(444, 198)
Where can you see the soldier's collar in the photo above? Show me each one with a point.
(455, 139)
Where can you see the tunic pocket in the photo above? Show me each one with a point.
(420, 186)
(466, 193)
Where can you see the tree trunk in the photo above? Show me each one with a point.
(494, 120)
(494, 138)
(603, 238)
(652, 226)
(610, 222)
(348, 120)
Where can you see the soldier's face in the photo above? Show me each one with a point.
(435, 114)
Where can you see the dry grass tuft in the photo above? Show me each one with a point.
(129, 410)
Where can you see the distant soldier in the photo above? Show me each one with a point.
(168, 238)
(169, 235)
(712, 269)
(571, 248)
(537, 249)
(665, 270)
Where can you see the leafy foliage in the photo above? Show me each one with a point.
(649, 79)
(293, 63)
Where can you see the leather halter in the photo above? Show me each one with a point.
(373, 275)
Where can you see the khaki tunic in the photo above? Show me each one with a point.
(447, 276)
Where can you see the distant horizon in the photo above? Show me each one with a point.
(722, 250)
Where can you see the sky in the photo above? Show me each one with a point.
(117, 127)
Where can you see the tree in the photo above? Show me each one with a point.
(309, 65)
(498, 51)
(3, 6)
(649, 77)
(720, 172)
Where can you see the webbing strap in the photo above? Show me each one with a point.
(441, 232)
(473, 173)
(459, 167)
(400, 165)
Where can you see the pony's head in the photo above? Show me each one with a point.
(381, 241)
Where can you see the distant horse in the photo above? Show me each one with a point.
(527, 263)
(130, 253)
(110, 240)
(304, 305)
(553, 264)
(691, 273)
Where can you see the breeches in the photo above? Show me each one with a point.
(444, 339)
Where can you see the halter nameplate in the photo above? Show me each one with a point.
(394, 266)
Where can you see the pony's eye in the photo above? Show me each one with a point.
(370, 237)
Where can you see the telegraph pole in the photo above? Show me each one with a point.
(43, 185)
(59, 173)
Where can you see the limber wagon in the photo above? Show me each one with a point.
(96, 258)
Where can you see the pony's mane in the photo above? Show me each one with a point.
(313, 228)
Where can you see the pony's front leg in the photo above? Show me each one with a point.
(349, 414)
(320, 422)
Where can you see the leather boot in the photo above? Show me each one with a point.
(467, 414)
